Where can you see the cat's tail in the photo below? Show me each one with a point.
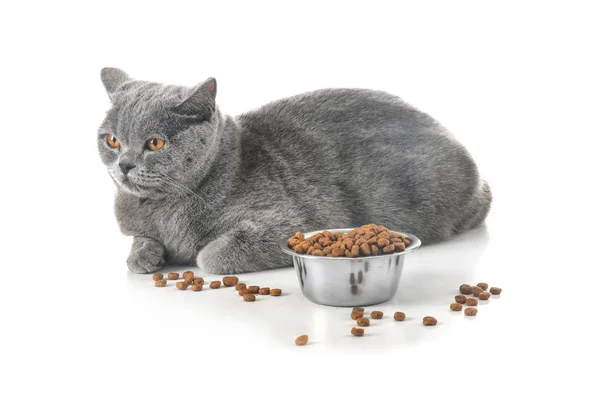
(477, 209)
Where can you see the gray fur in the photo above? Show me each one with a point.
(222, 190)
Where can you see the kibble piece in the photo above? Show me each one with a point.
(357, 308)
(465, 289)
(471, 311)
(495, 290)
(158, 276)
(399, 316)
(276, 292)
(264, 291)
(181, 285)
(429, 321)
(482, 285)
(240, 286)
(243, 291)
(197, 287)
(249, 297)
(215, 284)
(389, 249)
(484, 295)
(358, 332)
(253, 289)
(456, 307)
(230, 280)
(188, 275)
(461, 299)
(363, 321)
(198, 281)
(365, 249)
(173, 275)
(477, 290)
(160, 283)
(472, 301)
(302, 340)
(376, 314)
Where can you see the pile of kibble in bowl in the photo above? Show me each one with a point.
(367, 240)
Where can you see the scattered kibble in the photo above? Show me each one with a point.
(160, 283)
(357, 332)
(249, 297)
(197, 287)
(482, 285)
(495, 290)
(198, 281)
(484, 295)
(188, 277)
(456, 307)
(399, 316)
(472, 301)
(253, 289)
(357, 314)
(465, 289)
(470, 311)
(230, 280)
(173, 275)
(240, 286)
(461, 299)
(477, 290)
(429, 321)
(264, 291)
(356, 308)
(157, 276)
(302, 340)
(363, 321)
(276, 292)
(181, 285)
(215, 284)
(243, 291)
(376, 314)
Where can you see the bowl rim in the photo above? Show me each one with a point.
(415, 243)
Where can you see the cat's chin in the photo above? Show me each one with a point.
(140, 192)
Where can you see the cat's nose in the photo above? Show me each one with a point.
(126, 167)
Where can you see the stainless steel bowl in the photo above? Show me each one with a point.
(349, 281)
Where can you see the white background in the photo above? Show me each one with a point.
(516, 82)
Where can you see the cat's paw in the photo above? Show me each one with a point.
(146, 256)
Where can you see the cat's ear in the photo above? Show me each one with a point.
(112, 78)
(201, 100)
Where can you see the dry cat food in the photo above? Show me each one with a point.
(173, 275)
(240, 286)
(302, 340)
(181, 285)
(495, 290)
(197, 287)
(230, 280)
(253, 289)
(160, 283)
(367, 240)
(188, 277)
(249, 297)
(465, 289)
(471, 311)
(363, 321)
(376, 314)
(477, 290)
(472, 301)
(482, 285)
(429, 321)
(461, 299)
(399, 316)
(264, 291)
(215, 284)
(158, 276)
(276, 292)
(357, 332)
(198, 281)
(243, 291)
(456, 307)
(484, 295)
(357, 308)
(357, 314)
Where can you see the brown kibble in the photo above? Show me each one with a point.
(483, 286)
(243, 291)
(374, 250)
(300, 236)
(472, 301)
(495, 290)
(382, 243)
(461, 299)
(253, 289)
(357, 314)
(318, 253)
(363, 321)
(249, 297)
(264, 291)
(477, 290)
(293, 242)
(173, 275)
(198, 281)
(215, 284)
(471, 311)
(157, 276)
(230, 280)
(240, 286)
(357, 332)
(484, 295)
(429, 321)
(337, 252)
(465, 289)
(355, 251)
(160, 283)
(456, 307)
(365, 249)
(302, 340)
(188, 274)
(275, 292)
(399, 316)
(181, 285)
(358, 309)
(197, 287)
(376, 314)
(389, 249)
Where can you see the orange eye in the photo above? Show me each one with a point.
(113, 141)
(155, 143)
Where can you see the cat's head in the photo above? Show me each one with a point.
(157, 140)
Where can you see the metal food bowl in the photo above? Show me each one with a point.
(349, 281)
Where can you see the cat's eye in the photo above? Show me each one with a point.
(155, 143)
(112, 141)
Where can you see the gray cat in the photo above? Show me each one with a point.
(197, 186)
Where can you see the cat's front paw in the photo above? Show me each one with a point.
(147, 255)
